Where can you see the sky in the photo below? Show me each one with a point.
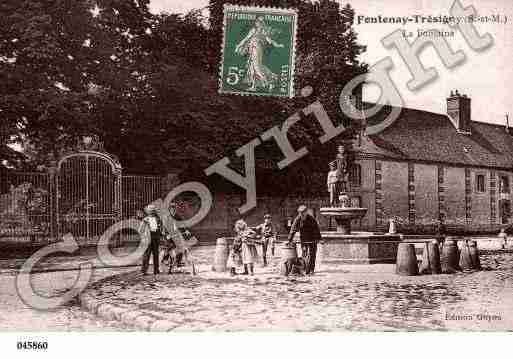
(486, 77)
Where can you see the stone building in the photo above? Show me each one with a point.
(427, 166)
(423, 168)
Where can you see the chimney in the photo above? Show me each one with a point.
(507, 123)
(458, 110)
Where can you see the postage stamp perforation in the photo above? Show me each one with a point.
(221, 65)
(294, 47)
(238, 93)
(279, 10)
(268, 10)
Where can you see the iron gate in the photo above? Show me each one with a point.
(26, 206)
(138, 191)
(88, 194)
(84, 194)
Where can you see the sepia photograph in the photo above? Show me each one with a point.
(255, 166)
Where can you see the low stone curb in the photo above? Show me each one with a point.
(162, 326)
(133, 318)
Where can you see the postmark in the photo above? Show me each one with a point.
(259, 46)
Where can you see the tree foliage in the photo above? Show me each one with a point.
(147, 84)
(61, 63)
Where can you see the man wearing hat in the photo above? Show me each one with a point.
(151, 230)
(309, 234)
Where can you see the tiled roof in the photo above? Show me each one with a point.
(427, 136)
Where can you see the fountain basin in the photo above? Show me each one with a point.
(358, 248)
(344, 212)
(342, 246)
(343, 216)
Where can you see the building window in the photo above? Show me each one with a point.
(480, 183)
(504, 184)
(355, 175)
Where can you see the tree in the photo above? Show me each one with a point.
(147, 84)
(57, 56)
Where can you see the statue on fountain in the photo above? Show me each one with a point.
(342, 245)
(338, 176)
(339, 188)
(332, 182)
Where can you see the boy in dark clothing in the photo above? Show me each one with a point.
(268, 235)
(152, 229)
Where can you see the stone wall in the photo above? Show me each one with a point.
(368, 193)
(454, 182)
(426, 194)
(412, 194)
(224, 213)
(395, 189)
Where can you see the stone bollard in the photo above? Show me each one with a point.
(450, 256)
(288, 258)
(469, 256)
(465, 262)
(431, 259)
(221, 255)
(474, 254)
(503, 239)
(406, 263)
(392, 227)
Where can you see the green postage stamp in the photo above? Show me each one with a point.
(258, 51)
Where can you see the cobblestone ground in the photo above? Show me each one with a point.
(350, 297)
(17, 316)
(88, 255)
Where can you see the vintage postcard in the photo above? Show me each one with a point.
(255, 166)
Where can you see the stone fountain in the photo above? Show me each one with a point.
(343, 245)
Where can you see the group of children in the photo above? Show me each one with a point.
(243, 252)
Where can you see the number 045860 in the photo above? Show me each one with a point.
(32, 345)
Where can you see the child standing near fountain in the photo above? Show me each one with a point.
(332, 182)
(243, 249)
(267, 233)
(235, 256)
